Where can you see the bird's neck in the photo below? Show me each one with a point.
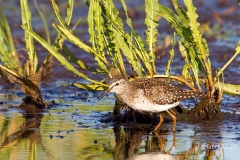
(127, 92)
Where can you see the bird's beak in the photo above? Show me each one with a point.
(104, 94)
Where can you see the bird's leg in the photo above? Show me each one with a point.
(174, 143)
(127, 112)
(195, 100)
(133, 113)
(174, 120)
(160, 122)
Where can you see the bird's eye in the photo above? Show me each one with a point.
(117, 84)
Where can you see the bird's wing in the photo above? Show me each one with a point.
(161, 92)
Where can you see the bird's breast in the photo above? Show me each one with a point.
(142, 103)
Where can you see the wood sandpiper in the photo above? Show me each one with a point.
(149, 94)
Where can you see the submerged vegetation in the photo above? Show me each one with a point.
(114, 42)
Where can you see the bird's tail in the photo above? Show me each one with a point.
(186, 94)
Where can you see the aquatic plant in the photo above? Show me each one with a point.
(28, 74)
(110, 45)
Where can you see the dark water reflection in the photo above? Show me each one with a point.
(69, 133)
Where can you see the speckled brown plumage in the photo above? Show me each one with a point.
(160, 91)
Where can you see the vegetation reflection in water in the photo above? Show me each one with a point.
(74, 132)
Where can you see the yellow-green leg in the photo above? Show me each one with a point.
(174, 120)
(160, 122)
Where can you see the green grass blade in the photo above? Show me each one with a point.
(132, 58)
(229, 88)
(69, 12)
(57, 12)
(151, 32)
(44, 21)
(95, 29)
(76, 60)
(229, 62)
(143, 55)
(26, 19)
(113, 50)
(113, 22)
(175, 21)
(67, 33)
(185, 71)
(128, 20)
(194, 26)
(57, 55)
(168, 66)
(60, 39)
(140, 44)
(91, 29)
(201, 45)
(5, 56)
(9, 71)
(91, 87)
(183, 51)
(181, 13)
(7, 49)
(8, 36)
(6, 33)
(75, 40)
(194, 66)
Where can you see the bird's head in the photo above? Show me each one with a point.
(116, 85)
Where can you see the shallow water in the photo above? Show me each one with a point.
(72, 129)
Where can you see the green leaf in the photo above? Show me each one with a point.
(200, 43)
(176, 22)
(194, 66)
(69, 12)
(26, 20)
(59, 38)
(93, 87)
(44, 21)
(113, 50)
(77, 61)
(8, 55)
(95, 29)
(229, 61)
(129, 21)
(71, 37)
(151, 23)
(132, 58)
(184, 51)
(91, 30)
(185, 71)
(57, 55)
(168, 66)
(229, 88)
(181, 13)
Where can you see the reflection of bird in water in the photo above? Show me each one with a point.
(153, 156)
(148, 94)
